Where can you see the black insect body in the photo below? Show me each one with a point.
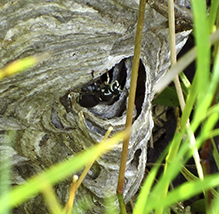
(108, 92)
(95, 93)
(87, 99)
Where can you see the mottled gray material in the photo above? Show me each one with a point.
(81, 36)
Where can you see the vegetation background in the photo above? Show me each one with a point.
(200, 98)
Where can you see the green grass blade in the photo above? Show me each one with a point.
(20, 65)
(6, 154)
(213, 14)
(201, 31)
(186, 191)
(215, 153)
(57, 172)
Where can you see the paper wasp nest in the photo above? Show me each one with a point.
(84, 38)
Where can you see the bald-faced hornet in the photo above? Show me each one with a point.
(99, 92)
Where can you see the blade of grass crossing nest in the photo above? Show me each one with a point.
(77, 182)
(87, 168)
(69, 205)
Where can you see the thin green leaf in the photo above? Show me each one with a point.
(168, 97)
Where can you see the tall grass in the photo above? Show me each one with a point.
(200, 99)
